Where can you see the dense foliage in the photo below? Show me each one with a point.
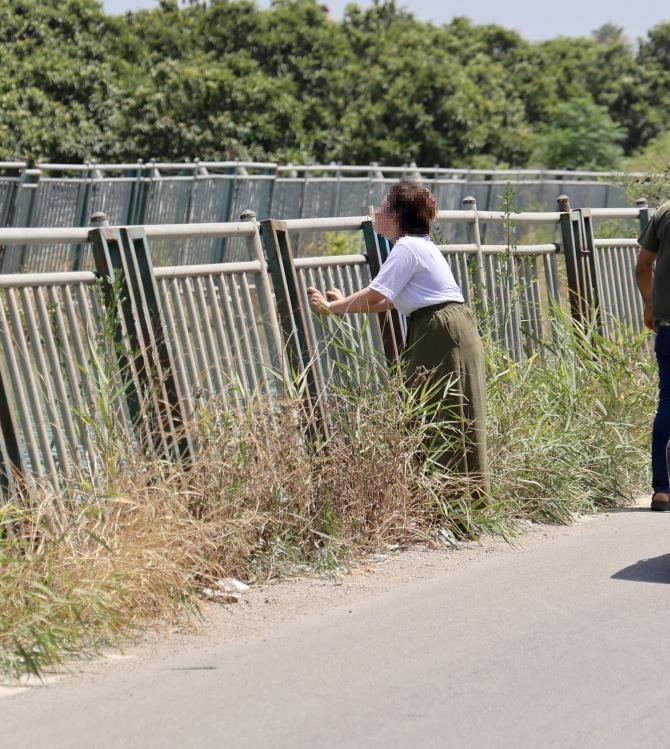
(225, 79)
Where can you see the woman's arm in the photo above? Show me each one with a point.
(383, 306)
(366, 300)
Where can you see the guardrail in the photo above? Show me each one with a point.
(140, 347)
(55, 195)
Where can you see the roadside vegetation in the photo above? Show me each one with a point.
(89, 564)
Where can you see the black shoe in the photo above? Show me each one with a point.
(662, 505)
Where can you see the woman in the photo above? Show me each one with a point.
(442, 339)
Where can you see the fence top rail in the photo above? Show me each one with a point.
(491, 217)
(96, 176)
(329, 261)
(23, 280)
(614, 243)
(209, 269)
(142, 165)
(81, 235)
(502, 249)
(201, 231)
(345, 223)
(436, 170)
(615, 212)
(411, 169)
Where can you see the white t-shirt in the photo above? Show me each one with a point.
(416, 274)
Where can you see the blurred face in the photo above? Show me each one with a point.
(386, 223)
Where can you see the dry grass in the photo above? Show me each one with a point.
(89, 564)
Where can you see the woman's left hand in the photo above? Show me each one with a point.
(317, 301)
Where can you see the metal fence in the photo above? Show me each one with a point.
(137, 346)
(54, 195)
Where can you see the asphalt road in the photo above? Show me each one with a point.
(563, 645)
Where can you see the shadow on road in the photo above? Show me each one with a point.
(655, 570)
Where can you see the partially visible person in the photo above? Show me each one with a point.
(443, 344)
(653, 280)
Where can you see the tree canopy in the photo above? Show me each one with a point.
(225, 79)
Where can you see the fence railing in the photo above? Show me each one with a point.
(139, 346)
(55, 195)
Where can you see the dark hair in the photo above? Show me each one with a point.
(414, 206)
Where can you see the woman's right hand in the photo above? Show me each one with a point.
(334, 295)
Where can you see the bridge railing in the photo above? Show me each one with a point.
(55, 195)
(140, 346)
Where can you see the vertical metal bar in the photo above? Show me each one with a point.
(643, 213)
(571, 249)
(637, 300)
(12, 469)
(20, 396)
(321, 329)
(336, 329)
(470, 204)
(66, 401)
(628, 298)
(240, 332)
(24, 209)
(46, 378)
(171, 417)
(587, 254)
(255, 343)
(175, 342)
(267, 306)
(73, 363)
(293, 317)
(7, 253)
(228, 315)
(182, 333)
(196, 335)
(31, 387)
(389, 322)
(206, 326)
(106, 253)
(82, 212)
(219, 330)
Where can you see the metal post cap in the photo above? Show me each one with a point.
(99, 218)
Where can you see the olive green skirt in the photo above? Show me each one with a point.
(444, 350)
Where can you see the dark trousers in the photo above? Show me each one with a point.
(661, 431)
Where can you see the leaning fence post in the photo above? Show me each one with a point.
(643, 213)
(270, 322)
(471, 205)
(117, 303)
(122, 260)
(389, 322)
(293, 319)
(161, 365)
(570, 232)
(589, 268)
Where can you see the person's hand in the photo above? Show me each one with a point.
(317, 301)
(334, 295)
(649, 317)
